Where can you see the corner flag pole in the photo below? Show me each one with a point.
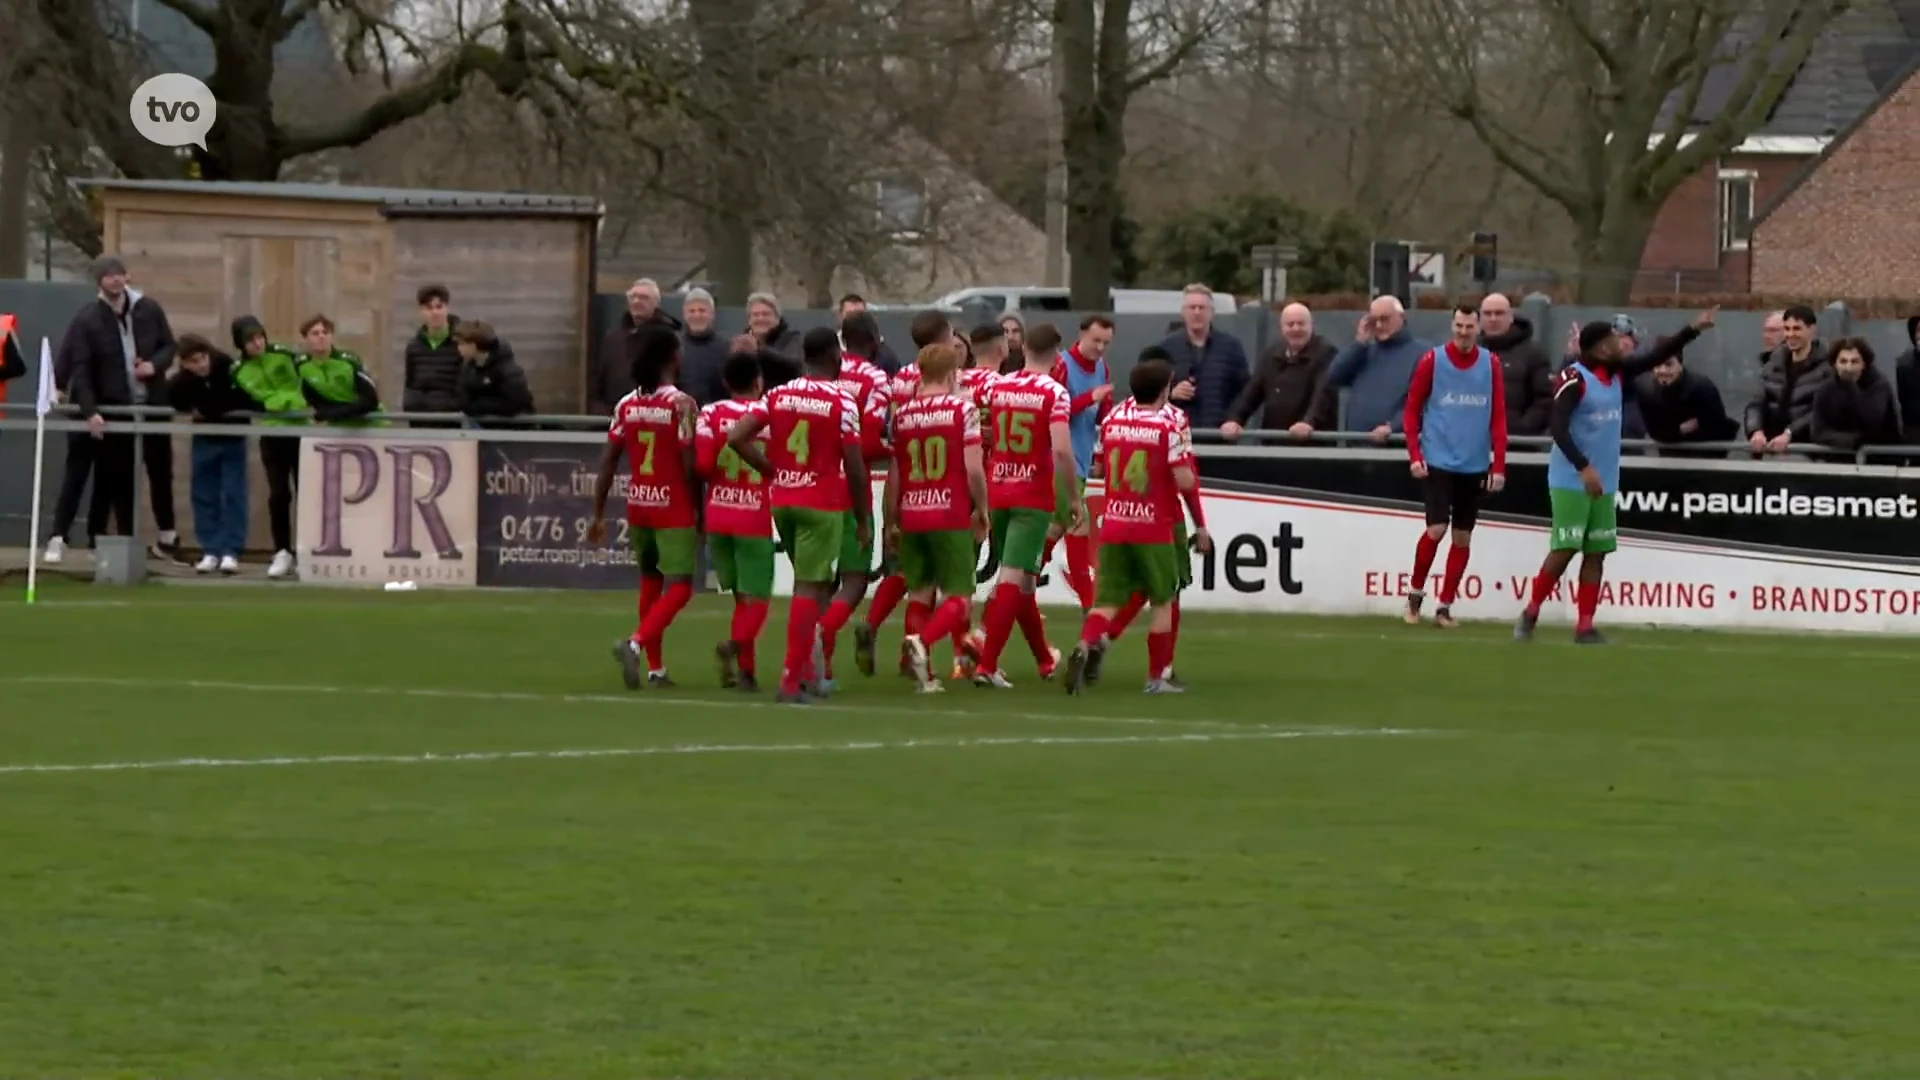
(42, 405)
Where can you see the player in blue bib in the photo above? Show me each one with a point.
(1583, 468)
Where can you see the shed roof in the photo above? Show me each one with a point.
(394, 202)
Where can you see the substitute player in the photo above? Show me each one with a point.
(1583, 468)
(867, 385)
(1083, 371)
(1456, 425)
(812, 453)
(936, 502)
(1145, 461)
(1030, 476)
(653, 426)
(739, 521)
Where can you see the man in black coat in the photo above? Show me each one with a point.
(611, 375)
(1288, 390)
(1680, 406)
(432, 380)
(492, 384)
(1524, 367)
(116, 352)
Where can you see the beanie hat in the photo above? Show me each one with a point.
(1593, 334)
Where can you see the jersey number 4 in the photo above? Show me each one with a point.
(735, 466)
(1130, 474)
(797, 443)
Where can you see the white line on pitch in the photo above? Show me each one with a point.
(1194, 738)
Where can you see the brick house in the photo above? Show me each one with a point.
(1700, 239)
(1846, 225)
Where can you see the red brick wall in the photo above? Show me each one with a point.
(1854, 227)
(1682, 252)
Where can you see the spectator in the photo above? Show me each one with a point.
(1678, 406)
(1376, 369)
(1793, 376)
(202, 386)
(1289, 386)
(1856, 407)
(1209, 366)
(491, 382)
(270, 374)
(1773, 331)
(1526, 373)
(117, 351)
(853, 303)
(611, 377)
(338, 388)
(703, 353)
(1906, 374)
(432, 362)
(768, 328)
(1015, 329)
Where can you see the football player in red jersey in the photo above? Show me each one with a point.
(739, 522)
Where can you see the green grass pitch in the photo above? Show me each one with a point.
(428, 835)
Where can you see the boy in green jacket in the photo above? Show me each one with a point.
(270, 375)
(337, 386)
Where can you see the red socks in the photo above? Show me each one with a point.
(659, 616)
(886, 596)
(1080, 569)
(1423, 552)
(1457, 557)
(1125, 616)
(1586, 598)
(803, 618)
(1543, 584)
(1159, 654)
(649, 595)
(1091, 631)
(1034, 628)
(839, 613)
(917, 614)
(748, 618)
(1003, 610)
(950, 615)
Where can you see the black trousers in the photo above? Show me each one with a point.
(280, 457)
(108, 461)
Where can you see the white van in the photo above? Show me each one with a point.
(1026, 298)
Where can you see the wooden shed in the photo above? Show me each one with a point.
(211, 252)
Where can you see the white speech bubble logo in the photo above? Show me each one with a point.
(173, 110)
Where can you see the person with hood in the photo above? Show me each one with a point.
(1526, 373)
(337, 386)
(1856, 407)
(1906, 376)
(1782, 412)
(770, 329)
(491, 381)
(202, 385)
(1680, 406)
(1376, 369)
(116, 352)
(703, 352)
(270, 375)
(1288, 391)
(432, 380)
(610, 377)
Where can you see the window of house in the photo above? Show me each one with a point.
(902, 203)
(1736, 208)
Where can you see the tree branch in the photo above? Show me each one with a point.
(210, 20)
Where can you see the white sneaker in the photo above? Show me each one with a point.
(229, 564)
(282, 564)
(992, 681)
(207, 565)
(56, 551)
(922, 665)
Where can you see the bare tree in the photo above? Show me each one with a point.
(1645, 93)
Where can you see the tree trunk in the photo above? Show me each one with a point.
(729, 82)
(1609, 245)
(244, 144)
(1094, 146)
(16, 178)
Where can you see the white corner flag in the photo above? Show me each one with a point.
(42, 405)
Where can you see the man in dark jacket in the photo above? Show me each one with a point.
(1526, 373)
(1856, 407)
(770, 329)
(852, 304)
(703, 352)
(202, 385)
(116, 352)
(1906, 375)
(432, 381)
(1782, 412)
(491, 382)
(1680, 406)
(611, 375)
(1288, 390)
(1209, 365)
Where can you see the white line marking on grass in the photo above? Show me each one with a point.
(733, 702)
(982, 742)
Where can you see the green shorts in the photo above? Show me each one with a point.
(1126, 569)
(812, 540)
(941, 560)
(854, 557)
(1019, 538)
(1183, 562)
(673, 552)
(1583, 522)
(744, 564)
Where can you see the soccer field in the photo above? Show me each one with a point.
(296, 833)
